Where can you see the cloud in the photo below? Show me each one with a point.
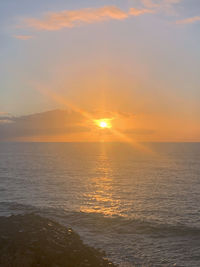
(138, 12)
(5, 121)
(166, 6)
(23, 37)
(4, 113)
(53, 21)
(66, 19)
(189, 20)
(61, 125)
(5, 118)
(159, 3)
(56, 122)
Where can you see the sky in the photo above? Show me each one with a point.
(65, 64)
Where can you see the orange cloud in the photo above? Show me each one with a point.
(4, 113)
(23, 37)
(189, 20)
(70, 18)
(138, 12)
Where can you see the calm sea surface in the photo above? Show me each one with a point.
(143, 209)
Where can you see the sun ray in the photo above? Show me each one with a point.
(101, 123)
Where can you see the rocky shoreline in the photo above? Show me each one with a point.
(30, 241)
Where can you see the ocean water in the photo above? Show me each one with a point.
(142, 209)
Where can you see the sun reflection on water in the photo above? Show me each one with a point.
(100, 198)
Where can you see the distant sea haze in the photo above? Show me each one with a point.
(142, 209)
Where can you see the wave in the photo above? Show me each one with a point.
(97, 222)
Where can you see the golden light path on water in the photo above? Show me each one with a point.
(106, 123)
(100, 199)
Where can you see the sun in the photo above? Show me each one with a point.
(103, 123)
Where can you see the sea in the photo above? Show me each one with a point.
(139, 204)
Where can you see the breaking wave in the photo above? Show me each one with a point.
(98, 222)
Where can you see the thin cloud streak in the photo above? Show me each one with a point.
(23, 37)
(138, 12)
(71, 18)
(189, 20)
(166, 6)
(4, 113)
(160, 3)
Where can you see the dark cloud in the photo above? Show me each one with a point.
(5, 118)
(56, 122)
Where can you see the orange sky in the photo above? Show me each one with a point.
(134, 62)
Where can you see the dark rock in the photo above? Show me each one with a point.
(30, 241)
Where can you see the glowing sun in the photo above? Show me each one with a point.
(103, 123)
